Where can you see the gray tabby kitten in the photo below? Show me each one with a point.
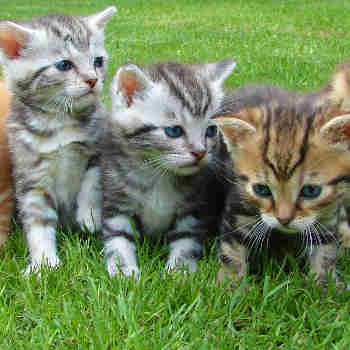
(55, 67)
(160, 152)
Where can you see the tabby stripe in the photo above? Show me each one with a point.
(225, 259)
(113, 234)
(208, 102)
(342, 178)
(303, 148)
(235, 235)
(142, 130)
(39, 72)
(28, 82)
(174, 236)
(176, 92)
(267, 127)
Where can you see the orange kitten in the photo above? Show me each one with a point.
(5, 168)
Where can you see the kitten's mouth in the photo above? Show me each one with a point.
(288, 229)
(187, 169)
(88, 93)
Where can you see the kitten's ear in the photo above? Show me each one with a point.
(340, 86)
(234, 128)
(337, 132)
(219, 71)
(14, 38)
(130, 83)
(99, 19)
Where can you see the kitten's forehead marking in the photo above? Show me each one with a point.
(193, 93)
(285, 141)
(72, 31)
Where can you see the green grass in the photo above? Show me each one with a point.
(295, 44)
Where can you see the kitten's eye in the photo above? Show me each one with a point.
(310, 191)
(262, 190)
(174, 131)
(211, 131)
(98, 62)
(64, 65)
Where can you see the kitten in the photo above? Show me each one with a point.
(6, 193)
(292, 166)
(55, 67)
(336, 93)
(159, 156)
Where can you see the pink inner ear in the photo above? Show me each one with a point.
(9, 44)
(129, 84)
(346, 131)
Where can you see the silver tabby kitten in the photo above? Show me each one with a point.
(160, 151)
(55, 67)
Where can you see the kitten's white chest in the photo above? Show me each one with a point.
(160, 207)
(71, 166)
(59, 140)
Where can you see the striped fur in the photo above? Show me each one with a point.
(55, 67)
(285, 149)
(166, 185)
(6, 192)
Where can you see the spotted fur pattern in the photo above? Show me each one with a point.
(291, 162)
(160, 159)
(55, 67)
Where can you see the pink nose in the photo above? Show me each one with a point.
(199, 155)
(91, 82)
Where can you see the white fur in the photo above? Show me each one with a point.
(98, 20)
(42, 245)
(125, 252)
(295, 226)
(62, 138)
(89, 201)
(159, 206)
(119, 223)
(178, 255)
(187, 224)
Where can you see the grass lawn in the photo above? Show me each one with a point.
(292, 43)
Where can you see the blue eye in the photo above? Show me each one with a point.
(211, 131)
(262, 190)
(98, 62)
(174, 131)
(64, 65)
(310, 191)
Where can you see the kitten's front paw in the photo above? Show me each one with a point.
(341, 286)
(188, 265)
(88, 221)
(128, 271)
(226, 275)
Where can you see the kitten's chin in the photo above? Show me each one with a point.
(187, 171)
(284, 229)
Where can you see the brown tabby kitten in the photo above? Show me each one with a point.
(292, 166)
(6, 199)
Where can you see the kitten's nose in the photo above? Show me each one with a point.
(199, 154)
(284, 220)
(91, 82)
